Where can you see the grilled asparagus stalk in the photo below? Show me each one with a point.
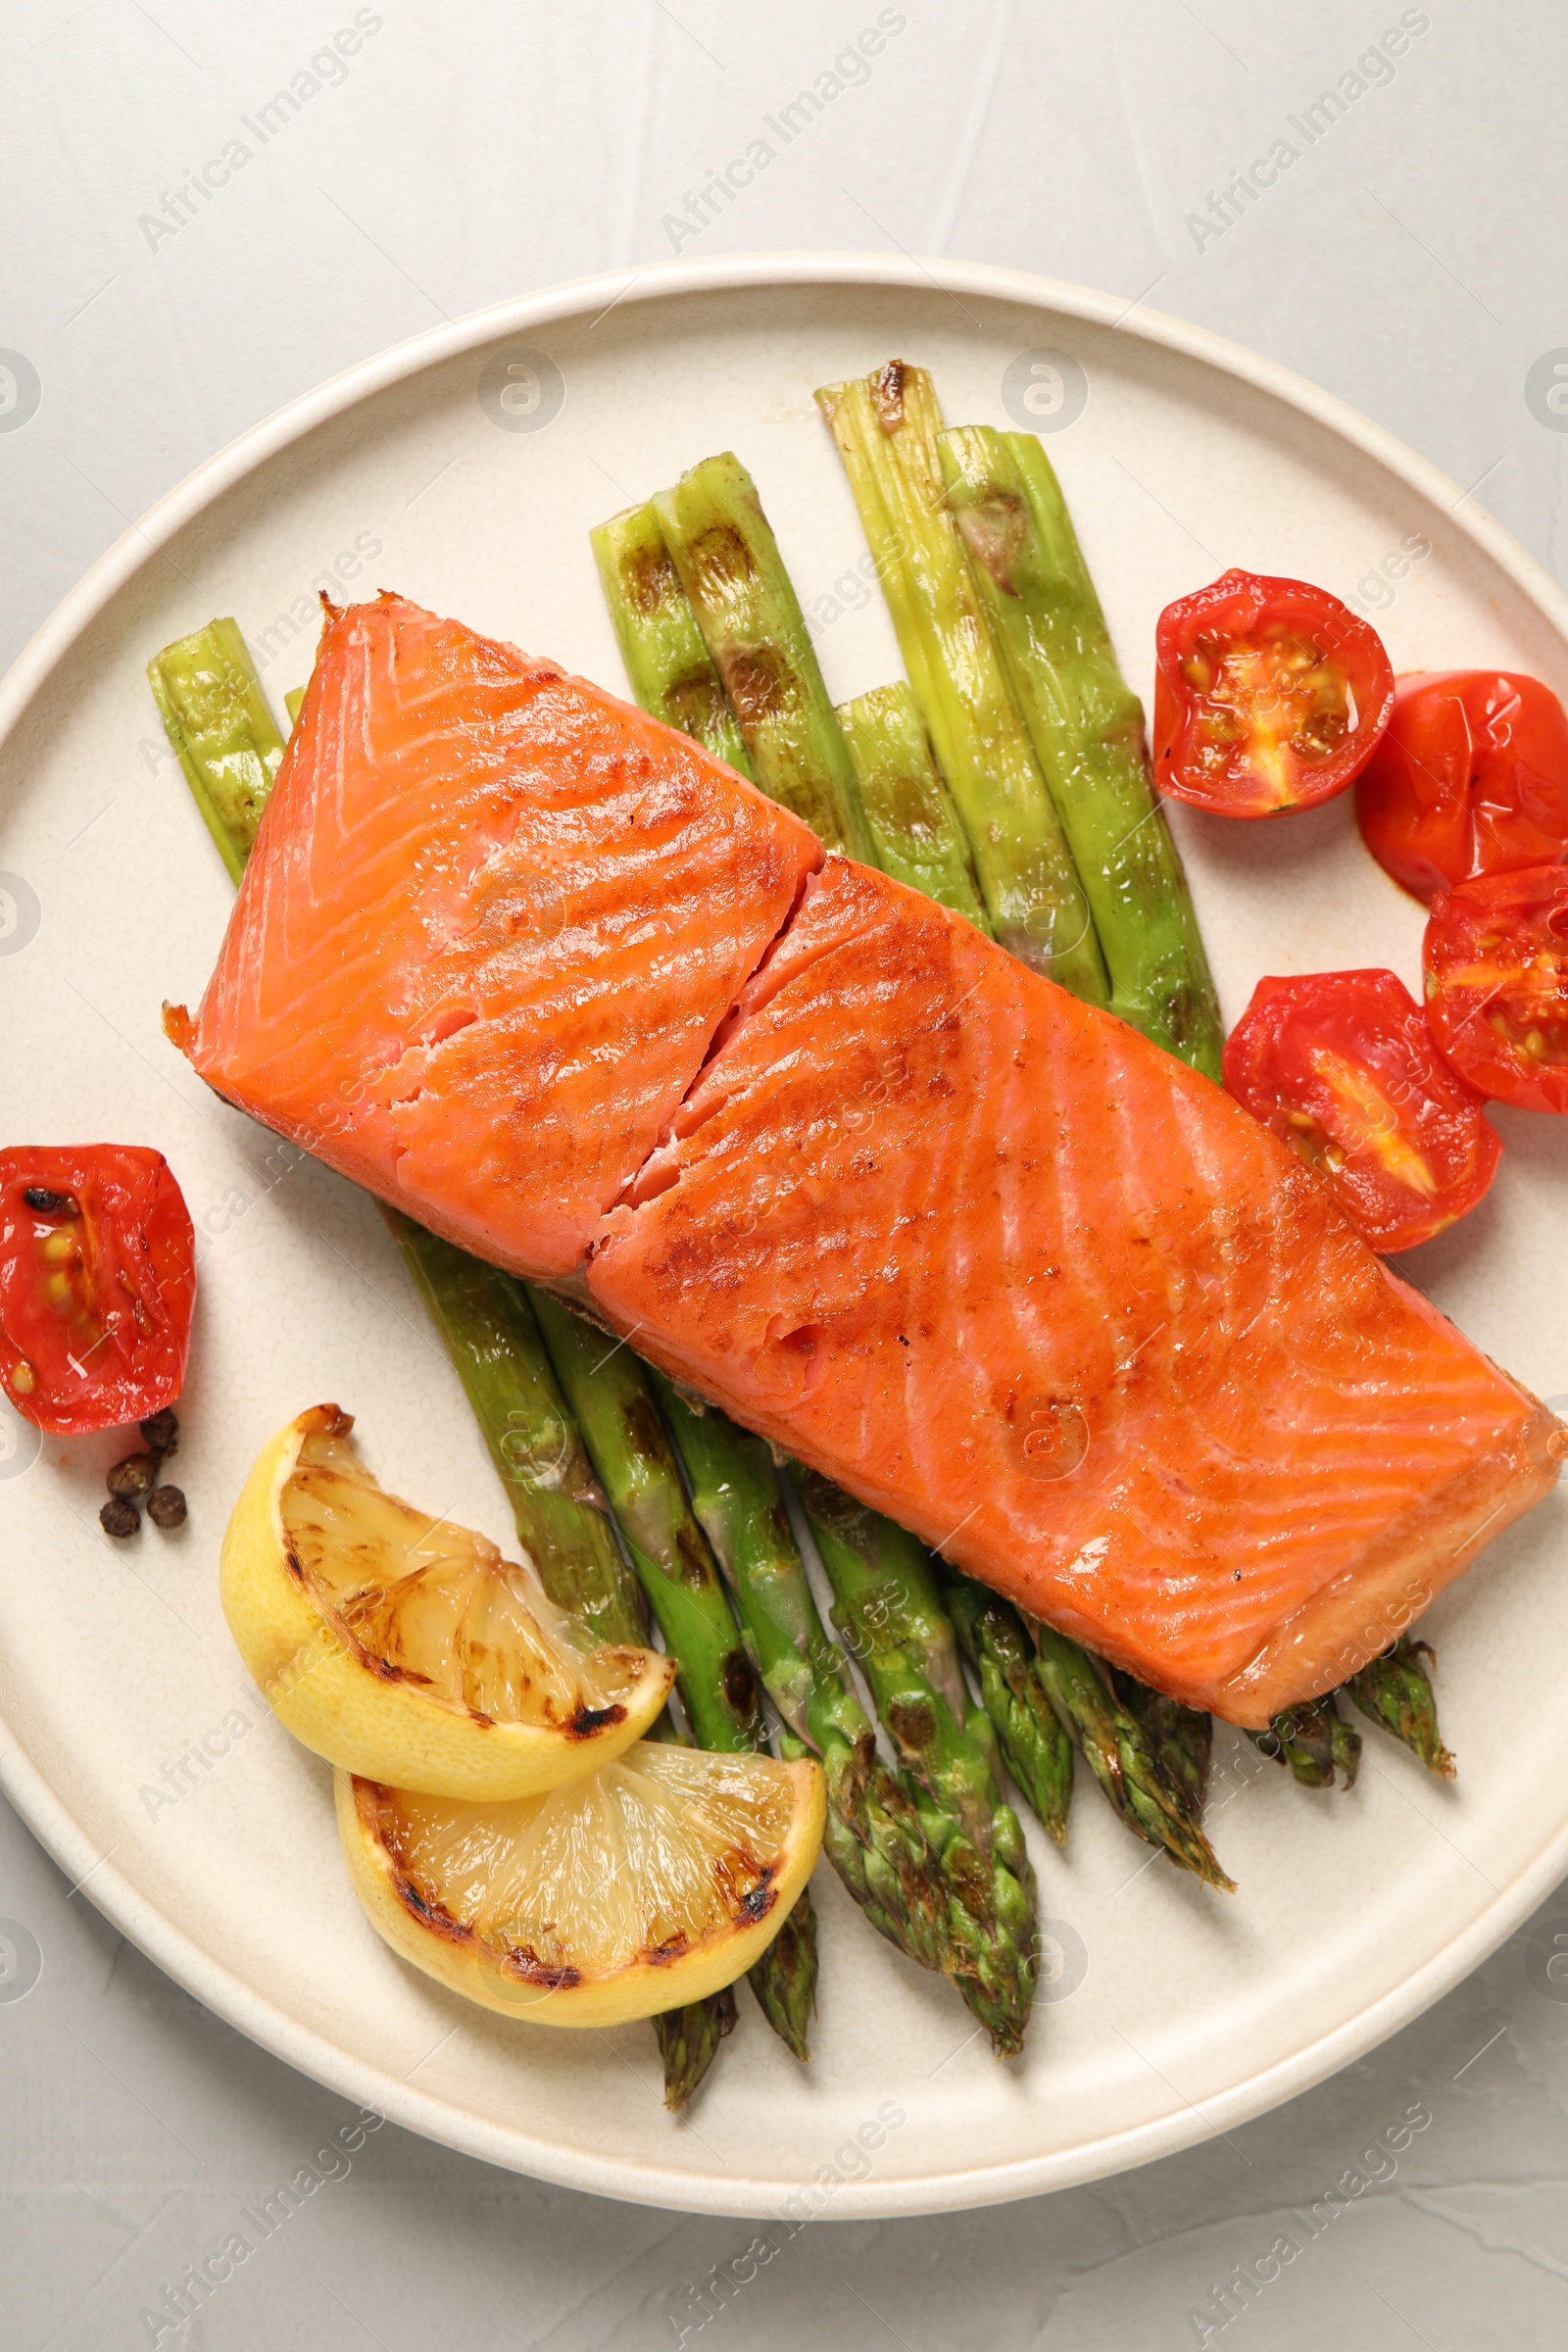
(216, 716)
(1087, 729)
(1315, 1741)
(886, 428)
(1035, 1748)
(1122, 1756)
(667, 661)
(907, 806)
(875, 1839)
(1395, 1691)
(889, 1611)
(726, 556)
(609, 1393)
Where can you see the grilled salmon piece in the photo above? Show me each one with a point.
(539, 971)
(489, 927)
(1015, 1276)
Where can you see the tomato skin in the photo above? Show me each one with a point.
(1269, 695)
(97, 1284)
(1471, 778)
(1342, 1066)
(1496, 958)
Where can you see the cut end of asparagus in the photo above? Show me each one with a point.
(667, 663)
(225, 738)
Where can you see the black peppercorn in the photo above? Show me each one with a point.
(166, 1508)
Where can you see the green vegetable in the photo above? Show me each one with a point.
(907, 806)
(1315, 1740)
(1035, 1748)
(1395, 1691)
(1087, 729)
(667, 661)
(889, 1612)
(886, 430)
(874, 1835)
(1121, 1755)
(494, 1339)
(728, 561)
(609, 1393)
(216, 716)
(1182, 1738)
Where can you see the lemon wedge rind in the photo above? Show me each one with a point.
(384, 1720)
(582, 1971)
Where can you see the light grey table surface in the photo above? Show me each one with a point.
(1411, 256)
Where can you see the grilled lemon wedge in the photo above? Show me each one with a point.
(408, 1648)
(662, 1877)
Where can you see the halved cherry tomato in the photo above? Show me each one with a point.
(1268, 695)
(1342, 1067)
(1497, 981)
(97, 1282)
(1471, 778)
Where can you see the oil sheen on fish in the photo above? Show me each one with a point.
(978, 1251)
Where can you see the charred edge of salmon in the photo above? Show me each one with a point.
(1353, 1619)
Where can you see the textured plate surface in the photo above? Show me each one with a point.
(465, 470)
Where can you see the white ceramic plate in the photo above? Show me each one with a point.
(134, 1743)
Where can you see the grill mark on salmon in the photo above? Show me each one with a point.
(577, 996)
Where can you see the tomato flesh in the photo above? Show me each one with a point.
(97, 1283)
(1342, 1066)
(1471, 778)
(1497, 980)
(1269, 695)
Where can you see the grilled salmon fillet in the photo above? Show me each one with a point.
(978, 1251)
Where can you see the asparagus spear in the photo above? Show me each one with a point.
(874, 1838)
(495, 1343)
(667, 661)
(1315, 1740)
(885, 427)
(562, 1518)
(607, 1391)
(1121, 1755)
(1182, 1738)
(728, 561)
(1395, 1691)
(1035, 1748)
(216, 716)
(888, 1610)
(480, 1312)
(1087, 728)
(293, 704)
(907, 806)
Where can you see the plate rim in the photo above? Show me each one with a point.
(49, 1819)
